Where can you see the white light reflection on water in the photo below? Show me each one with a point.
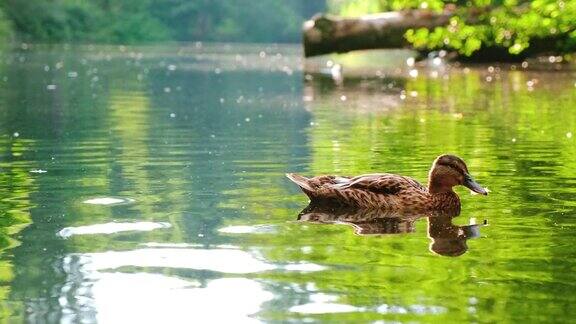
(328, 307)
(304, 267)
(245, 229)
(325, 304)
(94, 293)
(156, 298)
(324, 308)
(415, 309)
(218, 260)
(111, 228)
(321, 307)
(108, 201)
(186, 245)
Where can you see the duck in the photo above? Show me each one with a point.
(393, 192)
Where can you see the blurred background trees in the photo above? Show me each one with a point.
(134, 21)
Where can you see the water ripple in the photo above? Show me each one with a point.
(218, 260)
(109, 201)
(111, 228)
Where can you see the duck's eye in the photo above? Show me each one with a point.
(456, 168)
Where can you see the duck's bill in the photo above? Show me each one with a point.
(474, 186)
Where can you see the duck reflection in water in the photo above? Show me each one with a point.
(446, 238)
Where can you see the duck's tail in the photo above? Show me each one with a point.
(302, 182)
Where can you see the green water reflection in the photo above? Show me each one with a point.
(146, 185)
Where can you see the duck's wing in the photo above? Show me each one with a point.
(317, 186)
(381, 183)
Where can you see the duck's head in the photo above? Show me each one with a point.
(448, 171)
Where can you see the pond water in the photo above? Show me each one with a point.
(147, 185)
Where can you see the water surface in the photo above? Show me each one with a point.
(147, 185)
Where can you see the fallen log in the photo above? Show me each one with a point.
(324, 34)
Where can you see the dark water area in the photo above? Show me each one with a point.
(147, 185)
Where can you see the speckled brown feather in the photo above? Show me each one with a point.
(382, 191)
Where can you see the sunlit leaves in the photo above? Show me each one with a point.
(510, 24)
(351, 8)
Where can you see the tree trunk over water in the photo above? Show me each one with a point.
(325, 34)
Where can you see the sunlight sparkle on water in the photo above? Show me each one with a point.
(219, 260)
(155, 298)
(108, 201)
(111, 228)
(304, 267)
(244, 229)
(324, 308)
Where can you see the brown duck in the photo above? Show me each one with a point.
(394, 192)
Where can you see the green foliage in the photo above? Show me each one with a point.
(352, 8)
(6, 32)
(82, 21)
(267, 20)
(517, 26)
(134, 21)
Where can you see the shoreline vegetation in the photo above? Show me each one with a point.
(476, 30)
(148, 21)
